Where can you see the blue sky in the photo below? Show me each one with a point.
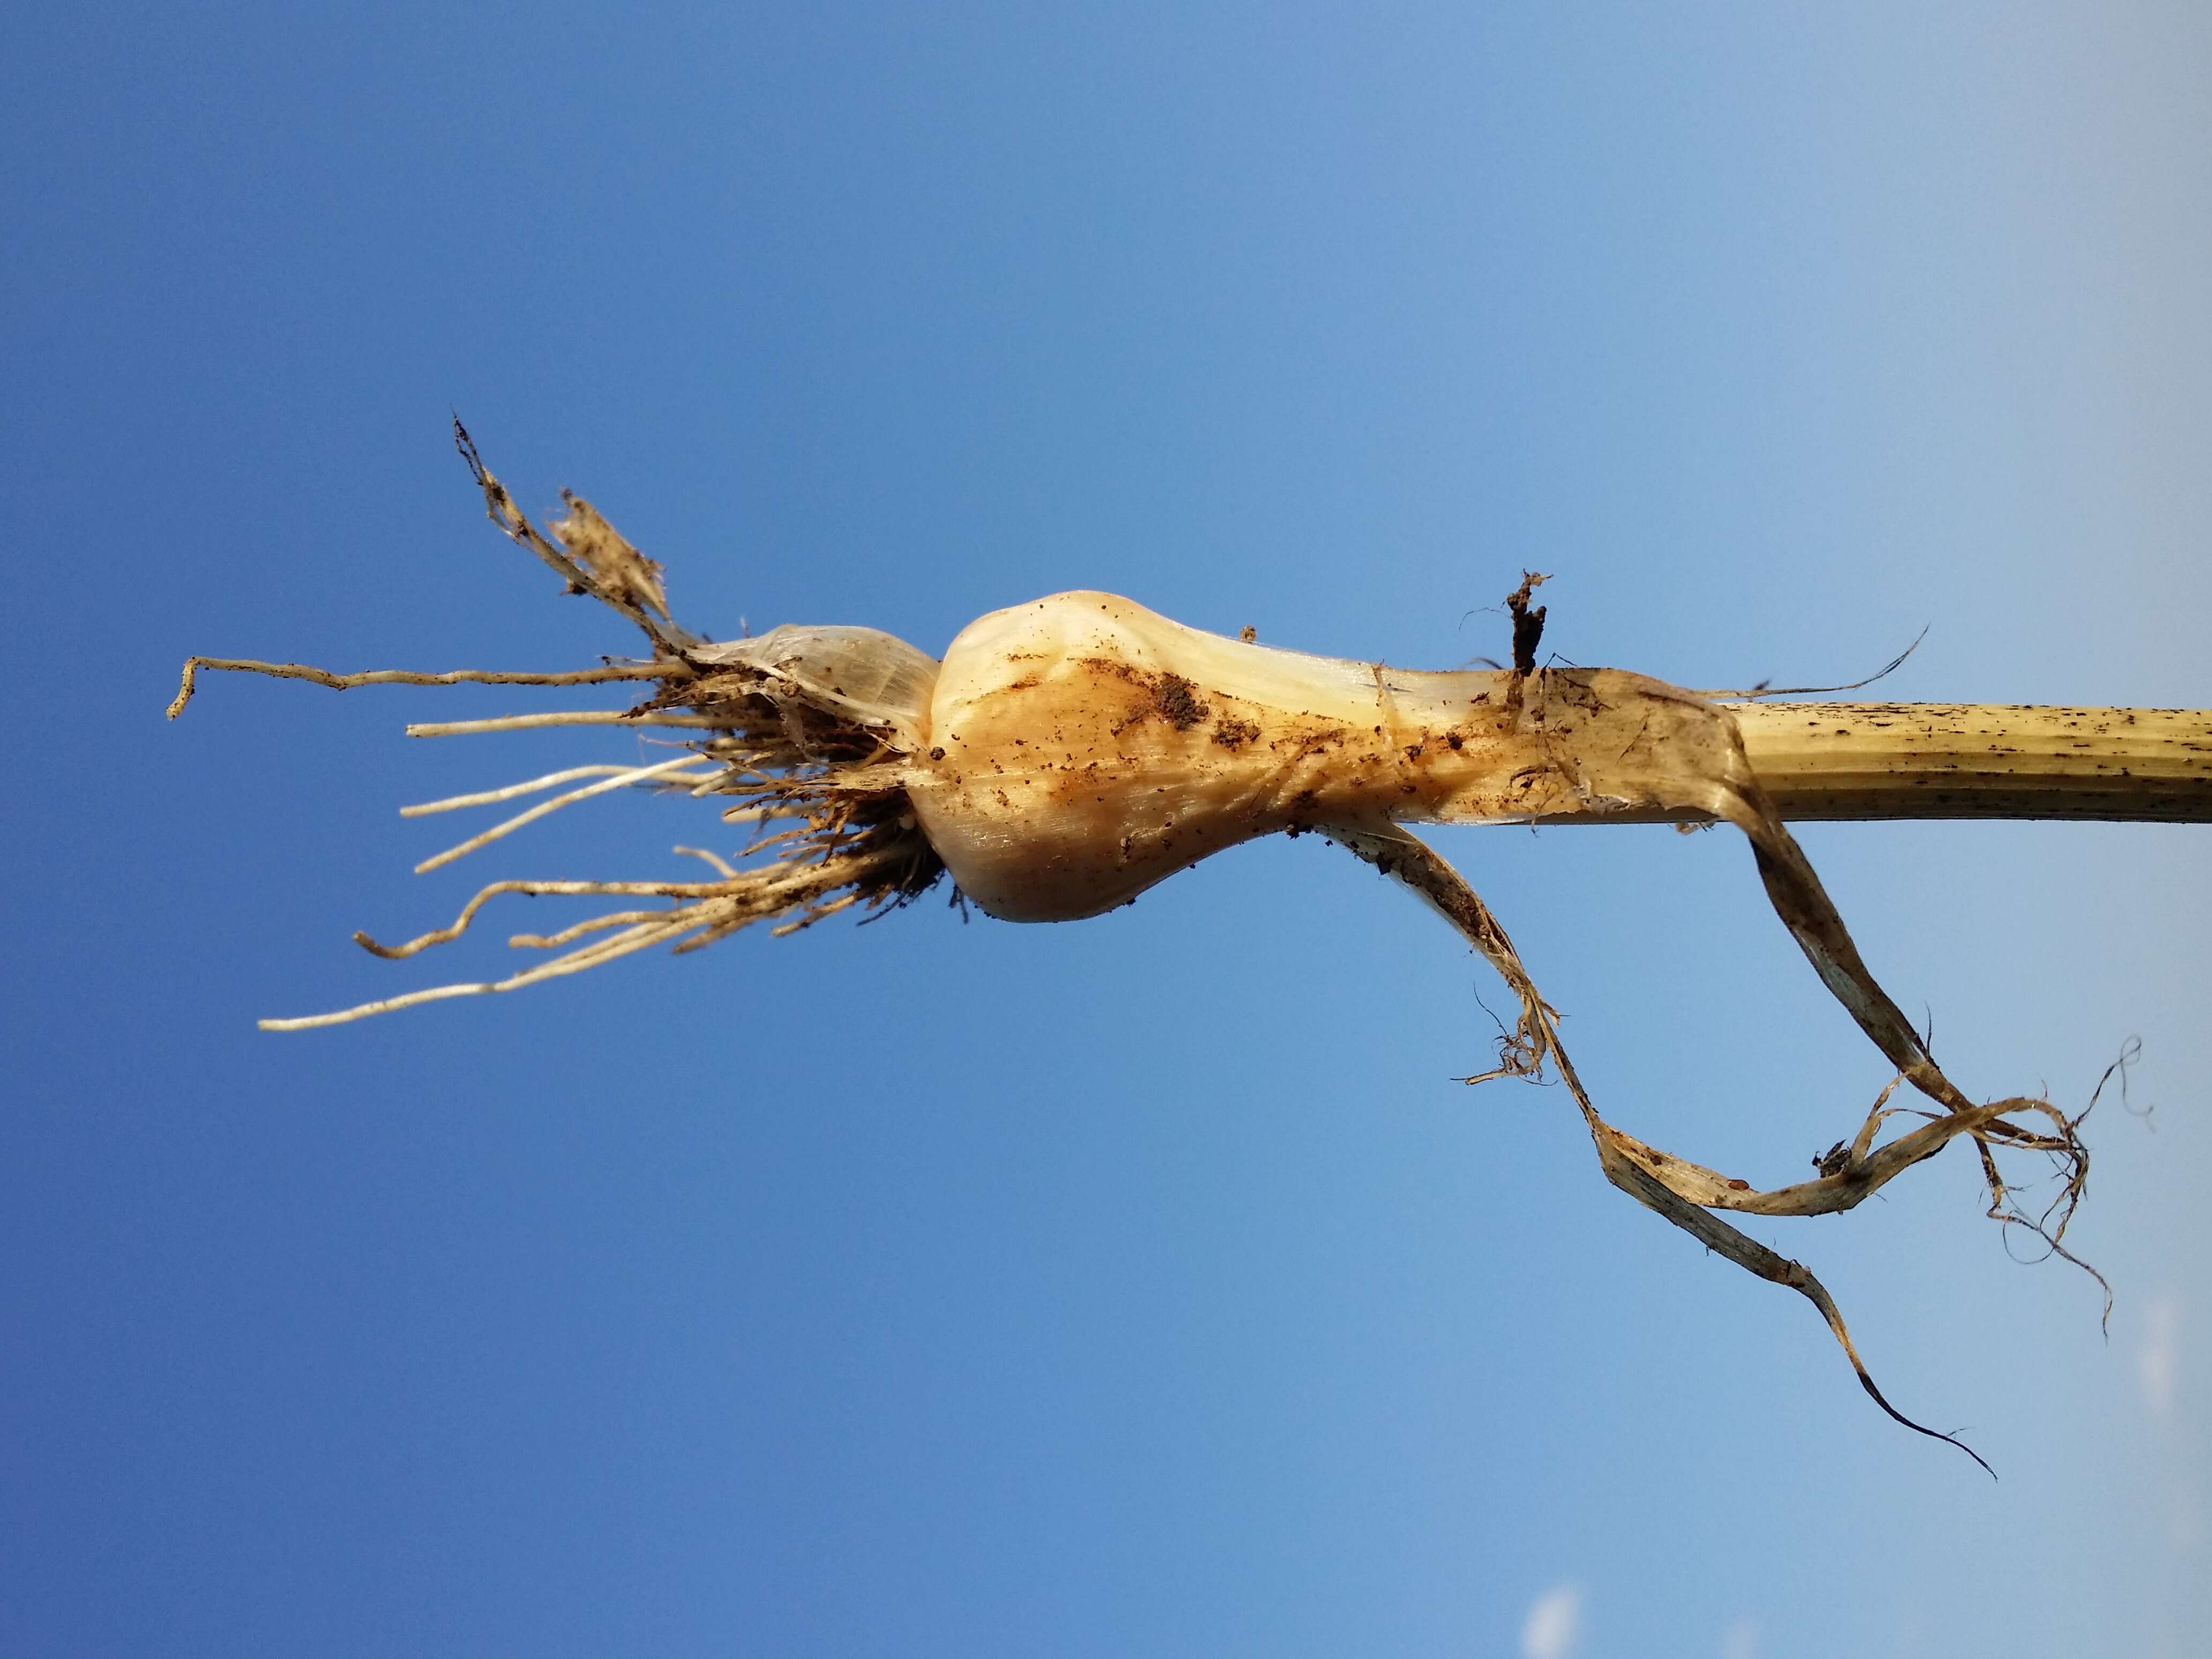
(1142, 1285)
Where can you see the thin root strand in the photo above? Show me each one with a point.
(300, 671)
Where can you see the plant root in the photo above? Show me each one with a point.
(1686, 1193)
(838, 865)
(1683, 752)
(785, 748)
(300, 671)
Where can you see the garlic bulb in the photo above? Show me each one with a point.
(1082, 748)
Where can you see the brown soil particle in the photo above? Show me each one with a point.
(1235, 734)
(1177, 702)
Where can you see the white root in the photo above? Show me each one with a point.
(714, 859)
(595, 925)
(572, 717)
(716, 909)
(621, 780)
(634, 939)
(494, 797)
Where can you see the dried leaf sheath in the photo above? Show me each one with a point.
(1683, 1191)
(1070, 753)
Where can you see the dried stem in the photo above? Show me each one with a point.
(1888, 759)
(591, 559)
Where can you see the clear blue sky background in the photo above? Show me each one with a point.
(1142, 1286)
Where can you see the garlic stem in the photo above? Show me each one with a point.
(1930, 760)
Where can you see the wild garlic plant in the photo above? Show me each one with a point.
(1067, 754)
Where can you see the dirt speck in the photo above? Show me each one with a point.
(1235, 734)
(1176, 699)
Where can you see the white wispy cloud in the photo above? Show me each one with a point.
(2158, 1360)
(1554, 1624)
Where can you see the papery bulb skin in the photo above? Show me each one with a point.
(872, 679)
